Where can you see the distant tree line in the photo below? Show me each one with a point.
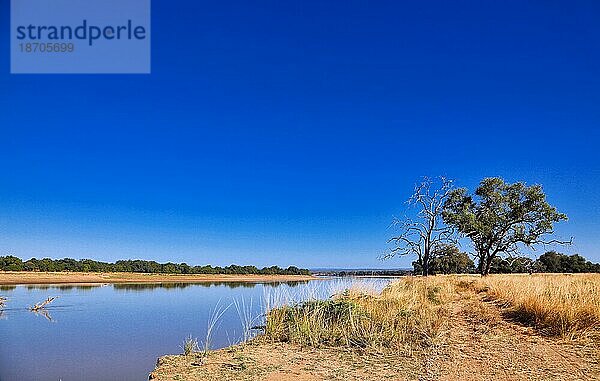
(366, 272)
(12, 263)
(453, 261)
(549, 262)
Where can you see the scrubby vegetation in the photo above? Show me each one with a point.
(12, 263)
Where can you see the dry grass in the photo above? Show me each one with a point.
(407, 314)
(556, 304)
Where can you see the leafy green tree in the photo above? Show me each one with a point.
(500, 216)
(576, 264)
(448, 260)
(11, 263)
(551, 260)
(554, 262)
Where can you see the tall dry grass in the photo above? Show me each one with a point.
(407, 313)
(565, 305)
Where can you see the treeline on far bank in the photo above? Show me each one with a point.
(452, 261)
(12, 263)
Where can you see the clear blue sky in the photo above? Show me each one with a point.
(290, 132)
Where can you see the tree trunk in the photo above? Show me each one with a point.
(422, 264)
(426, 262)
(488, 264)
(484, 264)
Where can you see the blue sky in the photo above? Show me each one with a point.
(292, 132)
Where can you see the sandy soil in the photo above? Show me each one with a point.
(482, 344)
(22, 277)
(280, 361)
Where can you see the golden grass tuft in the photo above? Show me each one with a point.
(408, 313)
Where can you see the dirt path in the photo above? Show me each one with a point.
(480, 345)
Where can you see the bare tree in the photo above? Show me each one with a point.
(425, 235)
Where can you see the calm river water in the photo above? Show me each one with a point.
(117, 332)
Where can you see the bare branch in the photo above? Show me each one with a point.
(423, 236)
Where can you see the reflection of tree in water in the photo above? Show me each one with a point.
(291, 283)
(7, 288)
(61, 287)
(147, 286)
(2, 304)
(37, 287)
(81, 287)
(182, 285)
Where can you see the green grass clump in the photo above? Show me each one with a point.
(190, 346)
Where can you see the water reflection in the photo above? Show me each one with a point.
(44, 313)
(60, 287)
(2, 304)
(152, 286)
(182, 285)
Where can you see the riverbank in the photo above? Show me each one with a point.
(26, 277)
(283, 361)
(444, 328)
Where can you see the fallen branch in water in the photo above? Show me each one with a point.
(41, 305)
